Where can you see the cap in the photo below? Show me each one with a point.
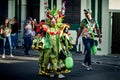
(88, 10)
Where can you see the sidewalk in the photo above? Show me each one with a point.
(112, 59)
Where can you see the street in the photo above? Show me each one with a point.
(26, 68)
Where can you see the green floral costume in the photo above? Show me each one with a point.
(54, 46)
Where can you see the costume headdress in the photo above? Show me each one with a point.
(56, 12)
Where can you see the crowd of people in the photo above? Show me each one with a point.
(52, 39)
(9, 34)
(54, 44)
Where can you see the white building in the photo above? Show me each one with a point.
(101, 11)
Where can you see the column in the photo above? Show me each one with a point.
(23, 18)
(105, 28)
(96, 9)
(42, 9)
(83, 6)
(59, 4)
(11, 8)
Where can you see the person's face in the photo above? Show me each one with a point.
(33, 22)
(28, 21)
(88, 15)
(14, 20)
(6, 21)
(54, 20)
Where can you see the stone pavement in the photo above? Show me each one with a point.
(111, 59)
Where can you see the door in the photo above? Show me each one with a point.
(33, 9)
(72, 14)
(3, 11)
(116, 33)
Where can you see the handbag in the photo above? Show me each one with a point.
(94, 50)
(69, 61)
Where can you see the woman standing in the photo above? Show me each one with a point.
(7, 35)
(14, 33)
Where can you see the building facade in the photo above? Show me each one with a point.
(73, 15)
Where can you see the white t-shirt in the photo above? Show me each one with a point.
(7, 32)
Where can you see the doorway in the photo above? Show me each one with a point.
(4, 11)
(33, 8)
(116, 33)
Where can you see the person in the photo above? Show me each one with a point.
(39, 27)
(1, 37)
(14, 33)
(27, 36)
(87, 30)
(54, 44)
(34, 24)
(33, 29)
(7, 35)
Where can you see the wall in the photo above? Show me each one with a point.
(105, 28)
(114, 4)
(11, 8)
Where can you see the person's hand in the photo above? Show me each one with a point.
(100, 40)
(9, 31)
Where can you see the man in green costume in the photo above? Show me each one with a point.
(54, 46)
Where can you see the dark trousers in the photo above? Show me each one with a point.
(88, 44)
(27, 44)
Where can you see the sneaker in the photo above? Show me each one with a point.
(61, 76)
(11, 55)
(3, 56)
(52, 75)
(89, 68)
(83, 64)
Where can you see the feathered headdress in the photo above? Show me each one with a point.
(55, 12)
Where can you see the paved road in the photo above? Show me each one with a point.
(25, 68)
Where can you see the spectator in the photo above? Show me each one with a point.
(14, 33)
(27, 36)
(1, 36)
(39, 29)
(33, 28)
(7, 35)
